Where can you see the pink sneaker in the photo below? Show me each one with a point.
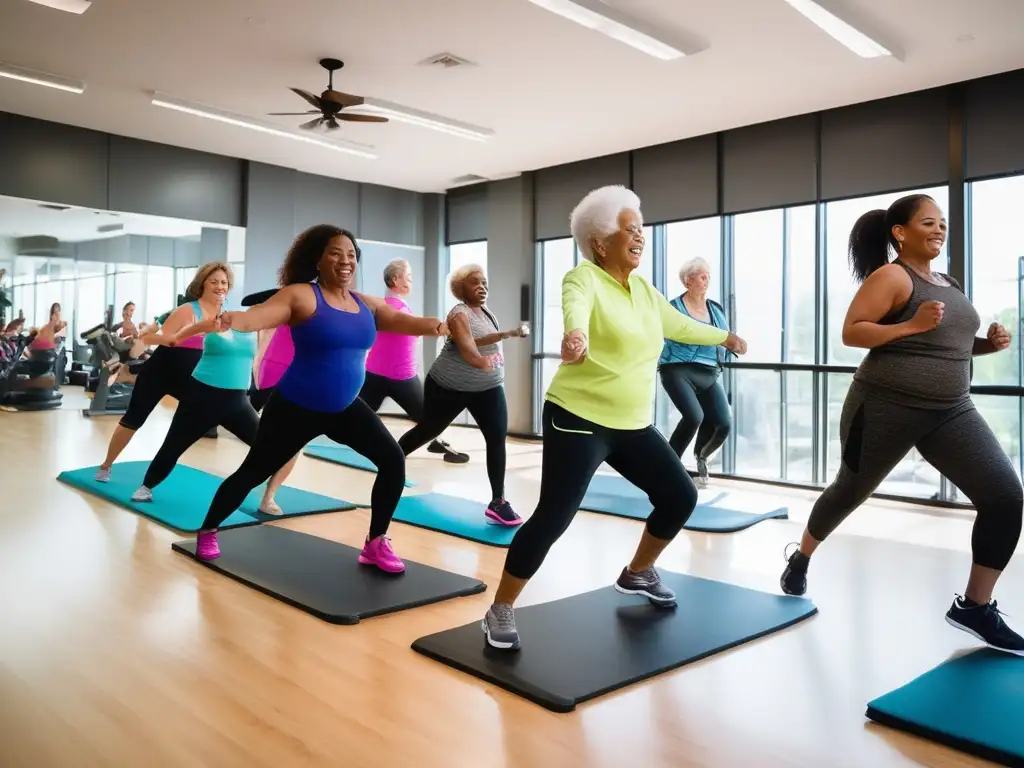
(206, 545)
(379, 552)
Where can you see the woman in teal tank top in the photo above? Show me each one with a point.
(218, 394)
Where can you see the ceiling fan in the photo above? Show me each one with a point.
(330, 104)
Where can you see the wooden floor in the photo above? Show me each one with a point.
(116, 652)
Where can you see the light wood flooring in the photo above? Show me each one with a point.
(114, 651)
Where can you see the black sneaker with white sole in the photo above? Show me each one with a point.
(794, 578)
(450, 454)
(985, 623)
(702, 472)
(647, 583)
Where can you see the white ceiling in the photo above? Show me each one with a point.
(552, 91)
(27, 218)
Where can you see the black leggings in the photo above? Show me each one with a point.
(285, 428)
(573, 450)
(408, 393)
(488, 409)
(258, 398)
(697, 393)
(201, 409)
(167, 373)
(876, 434)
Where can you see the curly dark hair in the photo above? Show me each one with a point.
(300, 265)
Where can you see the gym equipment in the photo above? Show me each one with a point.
(182, 500)
(110, 361)
(971, 703)
(582, 647)
(455, 516)
(614, 495)
(328, 450)
(324, 578)
(32, 384)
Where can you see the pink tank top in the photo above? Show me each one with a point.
(277, 358)
(393, 355)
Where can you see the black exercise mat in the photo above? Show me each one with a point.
(582, 647)
(325, 578)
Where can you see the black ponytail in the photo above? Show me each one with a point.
(872, 237)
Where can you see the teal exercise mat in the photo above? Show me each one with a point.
(182, 500)
(455, 516)
(328, 450)
(973, 703)
(582, 647)
(614, 495)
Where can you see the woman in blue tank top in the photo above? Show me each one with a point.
(332, 329)
(218, 394)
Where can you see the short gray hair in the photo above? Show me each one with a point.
(597, 215)
(692, 267)
(393, 270)
(459, 277)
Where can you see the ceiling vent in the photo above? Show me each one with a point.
(446, 60)
(52, 207)
(469, 178)
(105, 228)
(71, 6)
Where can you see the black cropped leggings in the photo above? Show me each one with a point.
(573, 450)
(488, 409)
(283, 431)
(876, 434)
(168, 372)
(407, 393)
(201, 409)
(697, 393)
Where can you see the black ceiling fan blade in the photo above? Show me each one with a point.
(295, 114)
(355, 117)
(311, 124)
(313, 100)
(342, 99)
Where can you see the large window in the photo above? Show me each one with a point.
(556, 258)
(840, 217)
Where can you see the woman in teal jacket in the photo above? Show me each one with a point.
(691, 374)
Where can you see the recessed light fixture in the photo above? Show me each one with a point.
(602, 18)
(35, 77)
(210, 113)
(71, 6)
(844, 32)
(403, 114)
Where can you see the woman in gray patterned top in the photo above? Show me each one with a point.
(469, 375)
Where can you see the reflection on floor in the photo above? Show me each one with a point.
(115, 651)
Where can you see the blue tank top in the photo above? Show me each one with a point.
(227, 360)
(329, 366)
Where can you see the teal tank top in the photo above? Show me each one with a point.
(227, 360)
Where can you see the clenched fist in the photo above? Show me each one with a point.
(998, 337)
(928, 316)
(574, 346)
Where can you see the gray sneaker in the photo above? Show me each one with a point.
(702, 472)
(646, 583)
(142, 494)
(499, 626)
(102, 475)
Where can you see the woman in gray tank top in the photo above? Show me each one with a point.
(913, 391)
(469, 374)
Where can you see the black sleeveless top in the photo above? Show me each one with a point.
(931, 369)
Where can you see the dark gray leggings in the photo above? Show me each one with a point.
(876, 434)
(697, 393)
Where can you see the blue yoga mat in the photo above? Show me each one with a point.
(454, 516)
(972, 703)
(614, 495)
(182, 500)
(342, 454)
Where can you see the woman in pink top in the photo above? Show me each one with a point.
(391, 367)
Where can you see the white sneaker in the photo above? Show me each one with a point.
(102, 475)
(142, 494)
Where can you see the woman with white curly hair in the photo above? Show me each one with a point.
(392, 369)
(691, 374)
(469, 374)
(598, 407)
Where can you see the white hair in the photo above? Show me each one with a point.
(459, 277)
(393, 270)
(597, 215)
(693, 267)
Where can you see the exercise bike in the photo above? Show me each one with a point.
(115, 372)
(31, 384)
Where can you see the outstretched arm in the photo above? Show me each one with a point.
(462, 335)
(391, 320)
(679, 327)
(275, 311)
(164, 336)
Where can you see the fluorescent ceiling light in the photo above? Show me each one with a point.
(12, 72)
(348, 147)
(602, 18)
(845, 33)
(411, 116)
(71, 6)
